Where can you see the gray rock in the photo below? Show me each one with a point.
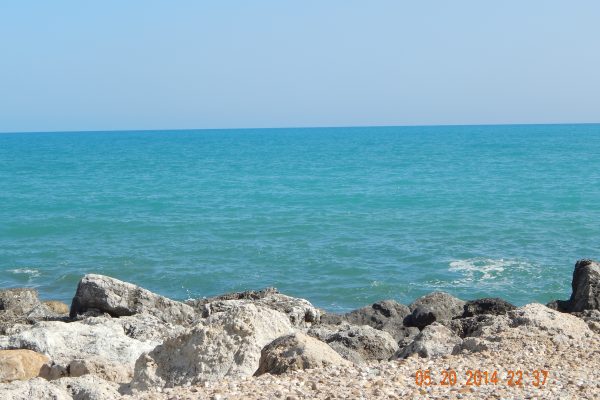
(23, 307)
(490, 306)
(118, 298)
(301, 312)
(436, 306)
(19, 301)
(297, 352)
(227, 343)
(433, 341)
(356, 343)
(586, 286)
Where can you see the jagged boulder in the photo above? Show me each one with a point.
(227, 343)
(525, 328)
(297, 352)
(356, 343)
(542, 319)
(19, 300)
(21, 306)
(301, 312)
(433, 341)
(436, 306)
(21, 364)
(118, 298)
(97, 338)
(586, 286)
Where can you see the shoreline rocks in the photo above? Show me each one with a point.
(121, 340)
(118, 299)
(225, 344)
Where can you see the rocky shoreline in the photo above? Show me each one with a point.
(118, 340)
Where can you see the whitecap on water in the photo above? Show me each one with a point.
(489, 270)
(30, 272)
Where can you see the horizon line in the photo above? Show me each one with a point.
(303, 127)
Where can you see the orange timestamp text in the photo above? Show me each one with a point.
(449, 377)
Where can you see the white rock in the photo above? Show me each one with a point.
(301, 312)
(33, 389)
(97, 338)
(225, 344)
(543, 319)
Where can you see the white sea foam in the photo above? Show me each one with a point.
(32, 273)
(489, 270)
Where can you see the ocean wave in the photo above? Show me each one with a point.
(31, 272)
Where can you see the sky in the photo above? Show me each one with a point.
(144, 64)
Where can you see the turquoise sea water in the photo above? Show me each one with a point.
(342, 217)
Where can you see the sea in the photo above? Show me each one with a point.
(343, 217)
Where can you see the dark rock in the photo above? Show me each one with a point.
(465, 327)
(436, 306)
(491, 306)
(586, 286)
(386, 315)
(378, 314)
(559, 305)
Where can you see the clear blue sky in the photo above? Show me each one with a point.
(80, 65)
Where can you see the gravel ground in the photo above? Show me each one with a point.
(573, 373)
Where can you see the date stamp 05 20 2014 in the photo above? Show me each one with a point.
(515, 378)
